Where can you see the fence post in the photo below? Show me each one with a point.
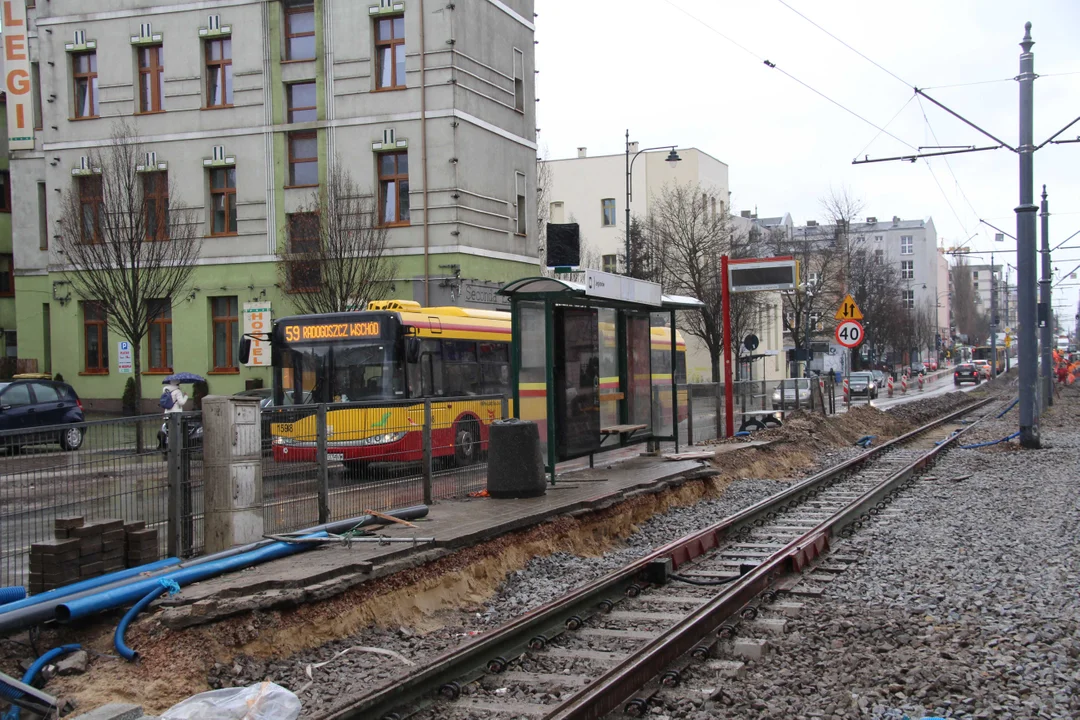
(173, 455)
(689, 414)
(428, 494)
(324, 464)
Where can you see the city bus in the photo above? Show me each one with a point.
(395, 352)
(984, 352)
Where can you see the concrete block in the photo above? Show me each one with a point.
(727, 668)
(791, 610)
(751, 648)
(114, 711)
(768, 626)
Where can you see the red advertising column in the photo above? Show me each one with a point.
(725, 307)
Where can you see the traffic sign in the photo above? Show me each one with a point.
(848, 310)
(1008, 340)
(849, 333)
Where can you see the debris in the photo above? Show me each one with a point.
(263, 701)
(390, 518)
(73, 664)
(358, 648)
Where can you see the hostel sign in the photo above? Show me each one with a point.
(257, 322)
(20, 109)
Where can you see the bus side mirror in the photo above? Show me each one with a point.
(412, 350)
(245, 350)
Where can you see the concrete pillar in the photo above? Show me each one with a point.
(232, 471)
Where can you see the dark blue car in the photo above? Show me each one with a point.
(27, 405)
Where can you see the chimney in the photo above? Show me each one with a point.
(872, 220)
(745, 213)
(811, 223)
(633, 147)
(895, 219)
(582, 152)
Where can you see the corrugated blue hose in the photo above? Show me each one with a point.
(28, 678)
(164, 585)
(12, 594)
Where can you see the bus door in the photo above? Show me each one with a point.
(577, 381)
(426, 381)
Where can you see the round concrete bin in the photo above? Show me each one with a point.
(515, 465)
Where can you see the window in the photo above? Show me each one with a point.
(303, 159)
(35, 79)
(812, 280)
(156, 196)
(907, 269)
(394, 188)
(907, 246)
(462, 371)
(301, 99)
(90, 201)
(300, 29)
(223, 201)
(160, 335)
(305, 273)
(5, 191)
(610, 263)
(84, 71)
(879, 256)
(219, 73)
(607, 210)
(7, 275)
(45, 393)
(17, 395)
(43, 217)
(909, 299)
(879, 238)
(494, 367)
(974, 274)
(95, 338)
(226, 336)
(519, 80)
(151, 78)
(390, 53)
(520, 206)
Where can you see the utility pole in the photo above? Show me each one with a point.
(1046, 380)
(1025, 249)
(1008, 324)
(993, 318)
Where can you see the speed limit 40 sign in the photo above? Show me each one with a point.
(849, 333)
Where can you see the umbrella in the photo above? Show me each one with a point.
(183, 377)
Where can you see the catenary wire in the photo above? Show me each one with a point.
(956, 180)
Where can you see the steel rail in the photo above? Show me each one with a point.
(512, 638)
(610, 691)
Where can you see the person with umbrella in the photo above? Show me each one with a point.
(173, 398)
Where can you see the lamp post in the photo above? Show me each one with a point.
(672, 158)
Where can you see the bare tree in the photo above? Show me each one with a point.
(333, 257)
(129, 243)
(679, 245)
(822, 266)
(878, 291)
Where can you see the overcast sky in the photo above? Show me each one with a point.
(606, 65)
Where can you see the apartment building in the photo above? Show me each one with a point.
(244, 106)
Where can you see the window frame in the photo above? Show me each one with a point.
(156, 71)
(229, 194)
(290, 108)
(95, 199)
(219, 68)
(294, 160)
(9, 275)
(907, 269)
(609, 263)
(159, 321)
(232, 327)
(396, 178)
(99, 325)
(301, 244)
(907, 244)
(156, 198)
(91, 77)
(396, 83)
(604, 207)
(909, 299)
(298, 9)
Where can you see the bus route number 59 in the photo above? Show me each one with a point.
(849, 333)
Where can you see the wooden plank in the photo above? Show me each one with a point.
(389, 518)
(620, 429)
(699, 455)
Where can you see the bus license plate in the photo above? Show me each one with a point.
(335, 457)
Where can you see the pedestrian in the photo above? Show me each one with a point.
(172, 398)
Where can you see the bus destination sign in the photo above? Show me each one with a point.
(333, 331)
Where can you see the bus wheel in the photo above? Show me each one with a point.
(357, 470)
(466, 443)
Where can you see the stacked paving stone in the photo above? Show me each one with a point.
(53, 563)
(82, 550)
(141, 544)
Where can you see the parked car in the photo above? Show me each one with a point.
(789, 388)
(932, 365)
(983, 366)
(918, 368)
(966, 372)
(880, 378)
(863, 383)
(30, 404)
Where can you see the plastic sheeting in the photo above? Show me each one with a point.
(263, 701)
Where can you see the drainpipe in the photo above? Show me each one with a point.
(423, 154)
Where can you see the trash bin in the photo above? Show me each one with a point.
(515, 464)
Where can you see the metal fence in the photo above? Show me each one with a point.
(101, 470)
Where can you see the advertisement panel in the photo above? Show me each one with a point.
(20, 107)
(257, 320)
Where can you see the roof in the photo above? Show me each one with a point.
(568, 289)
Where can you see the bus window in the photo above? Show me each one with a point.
(680, 366)
(462, 372)
(495, 368)
(431, 369)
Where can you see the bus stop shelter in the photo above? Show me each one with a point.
(596, 365)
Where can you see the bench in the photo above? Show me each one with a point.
(621, 429)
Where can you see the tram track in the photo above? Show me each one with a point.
(611, 644)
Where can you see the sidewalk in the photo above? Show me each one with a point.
(333, 569)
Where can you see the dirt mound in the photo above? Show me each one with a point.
(921, 412)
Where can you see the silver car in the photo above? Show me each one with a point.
(788, 388)
(863, 383)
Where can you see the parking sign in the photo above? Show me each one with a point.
(123, 356)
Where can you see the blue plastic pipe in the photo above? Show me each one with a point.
(62, 592)
(31, 673)
(131, 594)
(11, 594)
(121, 629)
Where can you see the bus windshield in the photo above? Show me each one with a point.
(340, 372)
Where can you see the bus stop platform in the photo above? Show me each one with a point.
(454, 524)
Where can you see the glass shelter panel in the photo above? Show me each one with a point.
(638, 371)
(577, 377)
(532, 380)
(665, 368)
(610, 393)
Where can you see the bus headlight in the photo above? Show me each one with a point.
(278, 440)
(384, 439)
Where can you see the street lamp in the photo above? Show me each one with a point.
(672, 159)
